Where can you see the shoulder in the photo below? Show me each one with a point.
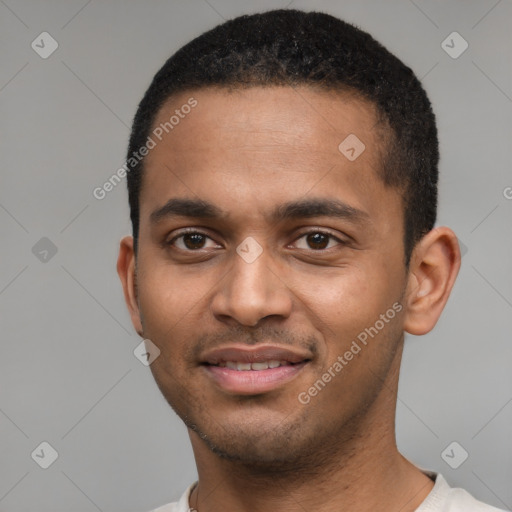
(452, 499)
(177, 506)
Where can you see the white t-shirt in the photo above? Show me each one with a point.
(442, 498)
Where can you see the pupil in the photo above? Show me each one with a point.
(315, 240)
(194, 239)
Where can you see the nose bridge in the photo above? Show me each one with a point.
(252, 289)
(252, 271)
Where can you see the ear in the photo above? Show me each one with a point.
(127, 273)
(434, 265)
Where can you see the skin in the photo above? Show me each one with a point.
(248, 151)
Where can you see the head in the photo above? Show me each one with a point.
(292, 48)
(288, 199)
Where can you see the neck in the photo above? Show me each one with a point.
(360, 470)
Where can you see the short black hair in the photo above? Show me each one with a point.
(292, 47)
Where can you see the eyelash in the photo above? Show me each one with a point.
(192, 231)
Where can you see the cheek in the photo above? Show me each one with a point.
(346, 304)
(167, 301)
(340, 298)
(167, 322)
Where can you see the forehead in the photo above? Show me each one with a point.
(301, 117)
(264, 144)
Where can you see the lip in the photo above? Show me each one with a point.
(252, 382)
(245, 354)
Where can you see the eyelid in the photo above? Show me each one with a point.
(306, 231)
(186, 231)
(323, 231)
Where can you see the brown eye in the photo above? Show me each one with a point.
(194, 241)
(191, 241)
(318, 241)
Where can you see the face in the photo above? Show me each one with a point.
(261, 243)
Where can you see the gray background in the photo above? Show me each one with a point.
(68, 375)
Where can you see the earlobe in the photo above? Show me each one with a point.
(433, 269)
(127, 275)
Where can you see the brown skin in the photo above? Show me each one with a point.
(247, 151)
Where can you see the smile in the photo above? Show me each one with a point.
(250, 370)
(263, 365)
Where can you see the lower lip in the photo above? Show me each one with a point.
(252, 382)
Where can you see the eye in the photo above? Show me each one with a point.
(318, 240)
(191, 241)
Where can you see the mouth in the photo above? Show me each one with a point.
(242, 370)
(242, 367)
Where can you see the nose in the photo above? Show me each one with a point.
(251, 291)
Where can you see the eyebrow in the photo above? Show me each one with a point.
(300, 209)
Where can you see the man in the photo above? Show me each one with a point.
(283, 190)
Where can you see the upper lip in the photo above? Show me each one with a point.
(256, 354)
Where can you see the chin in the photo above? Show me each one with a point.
(272, 446)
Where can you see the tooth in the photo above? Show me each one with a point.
(259, 366)
(234, 365)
